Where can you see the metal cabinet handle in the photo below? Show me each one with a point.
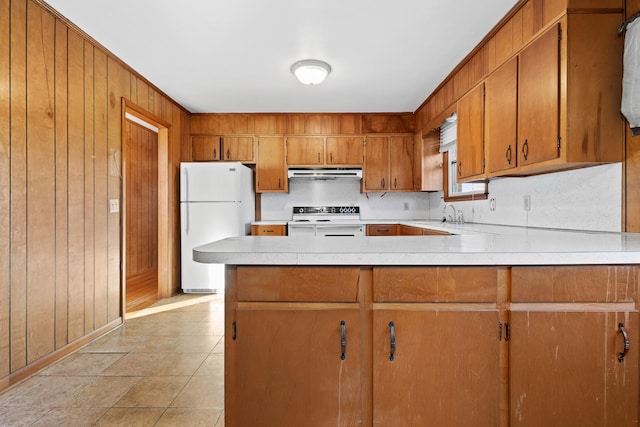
(331, 157)
(627, 343)
(525, 149)
(383, 183)
(508, 154)
(234, 335)
(392, 334)
(343, 340)
(228, 154)
(215, 153)
(459, 168)
(395, 182)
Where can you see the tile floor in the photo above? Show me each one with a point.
(164, 367)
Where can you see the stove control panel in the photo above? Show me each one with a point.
(331, 210)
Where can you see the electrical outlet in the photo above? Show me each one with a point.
(114, 205)
(527, 202)
(492, 204)
(406, 206)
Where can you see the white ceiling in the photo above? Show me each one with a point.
(234, 56)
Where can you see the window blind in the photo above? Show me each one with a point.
(448, 133)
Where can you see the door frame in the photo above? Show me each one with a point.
(164, 266)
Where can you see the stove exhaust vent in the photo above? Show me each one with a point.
(326, 174)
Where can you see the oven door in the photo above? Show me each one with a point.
(339, 230)
(301, 229)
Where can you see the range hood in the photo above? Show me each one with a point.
(325, 174)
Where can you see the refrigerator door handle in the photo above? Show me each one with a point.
(186, 185)
(186, 219)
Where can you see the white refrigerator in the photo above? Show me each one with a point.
(216, 201)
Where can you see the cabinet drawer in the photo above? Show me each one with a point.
(298, 284)
(574, 284)
(269, 230)
(382, 229)
(435, 284)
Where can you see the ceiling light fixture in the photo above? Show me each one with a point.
(311, 71)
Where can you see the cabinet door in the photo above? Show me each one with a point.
(271, 172)
(538, 99)
(401, 163)
(205, 148)
(237, 148)
(470, 144)
(564, 369)
(376, 163)
(500, 107)
(305, 151)
(290, 368)
(344, 150)
(444, 370)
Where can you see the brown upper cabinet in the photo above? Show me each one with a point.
(388, 163)
(271, 170)
(470, 138)
(205, 148)
(500, 109)
(237, 148)
(568, 92)
(321, 151)
(229, 148)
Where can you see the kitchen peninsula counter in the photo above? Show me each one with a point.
(469, 244)
(491, 325)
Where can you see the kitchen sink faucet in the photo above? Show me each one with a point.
(453, 209)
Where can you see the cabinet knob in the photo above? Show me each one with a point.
(508, 154)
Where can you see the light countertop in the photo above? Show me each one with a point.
(471, 244)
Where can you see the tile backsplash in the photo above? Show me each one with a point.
(581, 199)
(278, 206)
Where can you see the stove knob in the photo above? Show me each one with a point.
(300, 210)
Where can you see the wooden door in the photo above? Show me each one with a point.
(141, 145)
(401, 163)
(564, 369)
(470, 144)
(271, 172)
(345, 150)
(305, 150)
(501, 103)
(376, 163)
(205, 148)
(539, 99)
(291, 370)
(237, 148)
(444, 370)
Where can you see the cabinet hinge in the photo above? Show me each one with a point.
(559, 34)
(504, 331)
(559, 144)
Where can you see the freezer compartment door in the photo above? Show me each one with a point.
(207, 182)
(203, 223)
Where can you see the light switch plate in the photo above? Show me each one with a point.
(114, 205)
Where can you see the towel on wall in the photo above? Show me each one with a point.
(631, 76)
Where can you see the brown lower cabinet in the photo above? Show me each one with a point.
(445, 346)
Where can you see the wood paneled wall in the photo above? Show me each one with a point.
(60, 122)
(141, 152)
